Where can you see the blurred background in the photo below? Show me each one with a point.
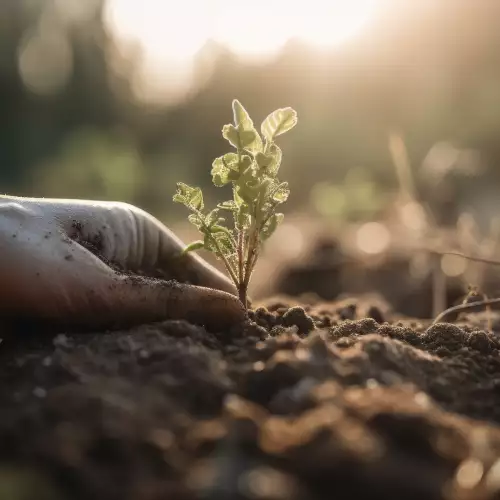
(396, 151)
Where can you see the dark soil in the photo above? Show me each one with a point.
(339, 400)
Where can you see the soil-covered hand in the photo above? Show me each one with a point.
(90, 264)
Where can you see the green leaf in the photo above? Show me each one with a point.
(241, 116)
(228, 205)
(196, 220)
(263, 161)
(231, 160)
(249, 191)
(249, 137)
(271, 225)
(281, 193)
(231, 134)
(192, 247)
(216, 230)
(278, 122)
(242, 138)
(276, 154)
(242, 135)
(225, 243)
(208, 243)
(213, 218)
(238, 199)
(250, 140)
(269, 163)
(243, 217)
(221, 239)
(192, 197)
(220, 172)
(227, 168)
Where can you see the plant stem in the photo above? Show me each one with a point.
(251, 259)
(242, 293)
(241, 254)
(228, 265)
(472, 258)
(465, 307)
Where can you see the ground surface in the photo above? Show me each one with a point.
(342, 403)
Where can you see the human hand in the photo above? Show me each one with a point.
(91, 264)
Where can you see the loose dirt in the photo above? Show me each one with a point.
(337, 400)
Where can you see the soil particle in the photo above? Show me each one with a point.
(273, 409)
(298, 317)
(375, 313)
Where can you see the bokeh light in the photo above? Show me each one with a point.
(45, 58)
(453, 265)
(373, 238)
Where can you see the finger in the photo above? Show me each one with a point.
(148, 300)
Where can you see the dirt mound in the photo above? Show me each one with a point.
(299, 403)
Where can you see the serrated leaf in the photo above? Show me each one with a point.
(269, 163)
(281, 193)
(227, 168)
(220, 172)
(208, 243)
(271, 225)
(278, 122)
(221, 239)
(276, 155)
(196, 220)
(243, 219)
(249, 191)
(231, 160)
(213, 218)
(179, 199)
(190, 196)
(225, 243)
(228, 205)
(216, 228)
(192, 247)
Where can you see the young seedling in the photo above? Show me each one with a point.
(252, 172)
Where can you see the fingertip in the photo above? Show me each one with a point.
(214, 309)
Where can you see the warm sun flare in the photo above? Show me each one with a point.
(171, 33)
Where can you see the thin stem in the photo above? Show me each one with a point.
(242, 294)
(228, 265)
(474, 259)
(465, 307)
(251, 257)
(241, 254)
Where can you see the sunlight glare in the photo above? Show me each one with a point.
(328, 23)
(171, 35)
(252, 34)
(166, 32)
(169, 38)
